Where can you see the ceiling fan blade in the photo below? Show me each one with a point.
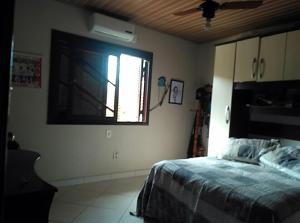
(241, 5)
(186, 12)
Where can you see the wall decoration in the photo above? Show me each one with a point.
(176, 92)
(26, 71)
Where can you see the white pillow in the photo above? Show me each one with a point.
(285, 159)
(247, 150)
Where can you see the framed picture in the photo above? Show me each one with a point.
(176, 92)
(26, 70)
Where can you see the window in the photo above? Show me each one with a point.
(93, 82)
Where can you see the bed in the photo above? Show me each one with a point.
(211, 190)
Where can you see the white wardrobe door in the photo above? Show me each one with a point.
(221, 98)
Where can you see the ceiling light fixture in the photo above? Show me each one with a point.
(207, 23)
(209, 8)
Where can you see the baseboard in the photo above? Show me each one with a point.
(91, 179)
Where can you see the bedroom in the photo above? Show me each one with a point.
(61, 146)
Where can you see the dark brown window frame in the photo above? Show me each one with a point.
(92, 45)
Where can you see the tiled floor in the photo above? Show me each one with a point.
(101, 202)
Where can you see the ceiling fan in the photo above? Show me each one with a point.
(209, 8)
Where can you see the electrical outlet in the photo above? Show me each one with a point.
(115, 155)
(108, 133)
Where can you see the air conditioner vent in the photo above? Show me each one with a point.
(113, 28)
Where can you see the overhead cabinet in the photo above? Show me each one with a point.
(271, 58)
(246, 60)
(260, 59)
(292, 58)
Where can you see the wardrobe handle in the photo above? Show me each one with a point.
(254, 68)
(227, 114)
(262, 67)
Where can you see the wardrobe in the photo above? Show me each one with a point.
(256, 89)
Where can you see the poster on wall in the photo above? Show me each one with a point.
(26, 70)
(176, 92)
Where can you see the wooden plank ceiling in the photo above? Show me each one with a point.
(158, 15)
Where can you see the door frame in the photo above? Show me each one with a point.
(6, 32)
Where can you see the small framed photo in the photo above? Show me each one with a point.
(26, 70)
(176, 92)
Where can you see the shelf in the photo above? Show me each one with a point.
(274, 110)
(266, 109)
(274, 130)
(266, 85)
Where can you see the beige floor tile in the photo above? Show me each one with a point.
(62, 212)
(113, 201)
(126, 189)
(61, 191)
(98, 215)
(132, 181)
(122, 192)
(96, 187)
(127, 218)
(132, 206)
(106, 201)
(78, 196)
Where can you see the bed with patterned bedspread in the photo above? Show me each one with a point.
(214, 190)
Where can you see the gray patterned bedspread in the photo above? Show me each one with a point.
(212, 190)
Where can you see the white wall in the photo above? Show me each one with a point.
(205, 63)
(74, 151)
